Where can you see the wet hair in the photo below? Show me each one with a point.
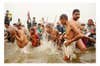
(76, 10)
(64, 16)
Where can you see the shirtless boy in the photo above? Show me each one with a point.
(21, 37)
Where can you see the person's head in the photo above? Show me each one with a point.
(19, 26)
(63, 19)
(15, 25)
(7, 11)
(48, 28)
(18, 19)
(7, 25)
(42, 19)
(82, 26)
(76, 14)
(34, 18)
(42, 26)
(58, 23)
(90, 22)
(32, 30)
(39, 25)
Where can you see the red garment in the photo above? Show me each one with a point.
(35, 41)
(84, 41)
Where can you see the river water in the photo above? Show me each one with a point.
(45, 53)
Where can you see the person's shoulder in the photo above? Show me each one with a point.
(71, 20)
(70, 23)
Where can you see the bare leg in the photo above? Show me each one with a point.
(81, 45)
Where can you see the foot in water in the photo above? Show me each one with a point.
(66, 58)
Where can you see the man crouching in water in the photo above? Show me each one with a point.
(73, 34)
(21, 38)
(10, 32)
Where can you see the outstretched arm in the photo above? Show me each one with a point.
(78, 36)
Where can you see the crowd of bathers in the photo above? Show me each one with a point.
(64, 32)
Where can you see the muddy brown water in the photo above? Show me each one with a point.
(45, 53)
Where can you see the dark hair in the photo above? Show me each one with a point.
(7, 10)
(76, 10)
(64, 16)
(83, 24)
(7, 23)
(39, 24)
(14, 24)
(33, 17)
(18, 19)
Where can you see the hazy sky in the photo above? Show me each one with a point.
(50, 11)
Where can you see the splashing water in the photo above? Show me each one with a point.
(47, 52)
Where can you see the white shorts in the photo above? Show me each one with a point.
(69, 50)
